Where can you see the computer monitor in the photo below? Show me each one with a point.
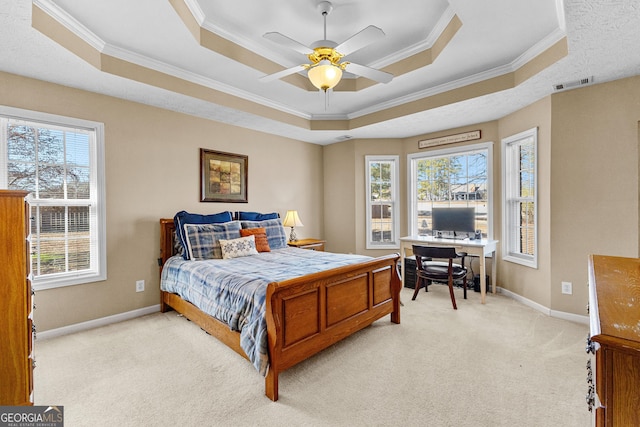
(453, 221)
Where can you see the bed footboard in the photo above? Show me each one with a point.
(308, 314)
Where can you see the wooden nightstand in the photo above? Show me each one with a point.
(313, 244)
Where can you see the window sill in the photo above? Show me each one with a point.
(61, 282)
(531, 263)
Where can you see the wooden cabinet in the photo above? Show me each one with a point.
(614, 315)
(313, 244)
(16, 320)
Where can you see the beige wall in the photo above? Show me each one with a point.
(340, 202)
(594, 182)
(530, 283)
(152, 171)
(588, 195)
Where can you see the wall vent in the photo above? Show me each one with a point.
(572, 84)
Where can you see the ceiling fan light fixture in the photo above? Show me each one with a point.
(325, 75)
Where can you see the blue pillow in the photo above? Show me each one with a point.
(276, 236)
(184, 217)
(257, 216)
(203, 240)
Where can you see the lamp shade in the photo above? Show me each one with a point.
(325, 75)
(291, 219)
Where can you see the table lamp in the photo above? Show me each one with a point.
(292, 219)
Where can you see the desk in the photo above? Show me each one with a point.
(480, 248)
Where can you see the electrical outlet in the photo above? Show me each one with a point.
(139, 285)
(567, 288)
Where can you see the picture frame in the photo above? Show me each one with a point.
(223, 176)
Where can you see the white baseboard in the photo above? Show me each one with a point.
(52, 333)
(541, 308)
(103, 321)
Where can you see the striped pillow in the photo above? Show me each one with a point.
(276, 236)
(203, 240)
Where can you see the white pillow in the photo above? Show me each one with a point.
(240, 247)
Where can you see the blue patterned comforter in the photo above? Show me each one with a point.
(234, 290)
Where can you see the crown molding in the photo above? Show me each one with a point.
(540, 47)
(70, 23)
(104, 48)
(198, 79)
(421, 46)
(551, 39)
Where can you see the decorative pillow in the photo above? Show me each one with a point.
(256, 216)
(184, 217)
(276, 236)
(203, 240)
(178, 249)
(236, 248)
(262, 244)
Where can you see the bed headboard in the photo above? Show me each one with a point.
(167, 240)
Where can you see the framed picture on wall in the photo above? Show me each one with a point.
(223, 176)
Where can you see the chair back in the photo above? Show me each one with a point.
(434, 252)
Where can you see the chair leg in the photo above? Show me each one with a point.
(453, 297)
(464, 285)
(415, 292)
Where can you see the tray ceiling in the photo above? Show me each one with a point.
(455, 62)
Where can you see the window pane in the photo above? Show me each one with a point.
(50, 147)
(381, 223)
(385, 191)
(458, 180)
(21, 145)
(78, 183)
(77, 149)
(385, 171)
(61, 238)
(50, 181)
(21, 176)
(527, 238)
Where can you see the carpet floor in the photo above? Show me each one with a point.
(498, 364)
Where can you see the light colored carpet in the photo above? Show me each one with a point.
(499, 364)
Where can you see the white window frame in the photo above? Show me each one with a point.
(395, 205)
(412, 191)
(511, 198)
(98, 270)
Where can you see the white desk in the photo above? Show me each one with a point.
(480, 248)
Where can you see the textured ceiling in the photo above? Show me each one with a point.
(455, 62)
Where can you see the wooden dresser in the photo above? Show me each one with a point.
(16, 331)
(614, 314)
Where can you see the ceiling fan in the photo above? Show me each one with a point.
(325, 69)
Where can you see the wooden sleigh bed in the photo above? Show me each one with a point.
(306, 314)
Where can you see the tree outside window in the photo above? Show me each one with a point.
(382, 206)
(450, 178)
(58, 166)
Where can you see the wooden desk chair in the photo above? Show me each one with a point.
(428, 270)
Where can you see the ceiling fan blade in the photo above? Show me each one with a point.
(360, 40)
(283, 40)
(281, 74)
(370, 73)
